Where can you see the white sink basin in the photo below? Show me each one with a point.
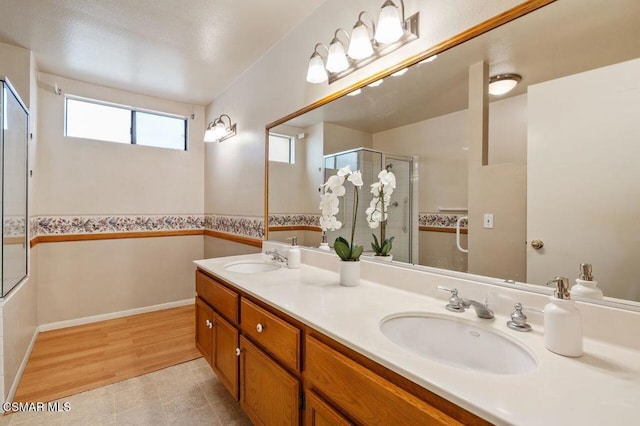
(458, 344)
(252, 267)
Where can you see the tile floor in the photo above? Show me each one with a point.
(185, 394)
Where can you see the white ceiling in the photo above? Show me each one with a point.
(186, 50)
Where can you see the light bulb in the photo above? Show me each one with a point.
(316, 73)
(389, 24)
(360, 45)
(210, 135)
(220, 130)
(337, 58)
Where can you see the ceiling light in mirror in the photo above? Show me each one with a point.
(429, 59)
(360, 43)
(316, 73)
(376, 83)
(355, 92)
(503, 83)
(390, 24)
(337, 58)
(399, 73)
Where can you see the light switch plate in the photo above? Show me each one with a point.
(488, 220)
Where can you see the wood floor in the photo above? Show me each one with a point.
(72, 360)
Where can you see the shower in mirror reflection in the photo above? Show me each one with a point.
(400, 213)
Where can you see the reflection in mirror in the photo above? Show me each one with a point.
(14, 131)
(561, 148)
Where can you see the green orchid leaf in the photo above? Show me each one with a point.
(357, 251)
(342, 240)
(342, 249)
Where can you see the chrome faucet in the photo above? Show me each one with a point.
(276, 256)
(482, 310)
(458, 304)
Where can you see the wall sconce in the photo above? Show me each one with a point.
(218, 131)
(503, 83)
(366, 43)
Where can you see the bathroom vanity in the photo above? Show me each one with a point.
(295, 347)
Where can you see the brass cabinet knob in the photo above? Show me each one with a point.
(537, 244)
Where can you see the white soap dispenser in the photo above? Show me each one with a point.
(293, 256)
(585, 285)
(562, 322)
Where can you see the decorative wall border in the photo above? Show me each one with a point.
(441, 220)
(89, 224)
(247, 226)
(288, 220)
(100, 227)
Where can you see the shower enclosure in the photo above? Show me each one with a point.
(14, 117)
(402, 220)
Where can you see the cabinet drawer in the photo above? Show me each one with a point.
(223, 300)
(344, 381)
(275, 335)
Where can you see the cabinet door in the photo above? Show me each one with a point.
(319, 413)
(204, 324)
(225, 358)
(269, 395)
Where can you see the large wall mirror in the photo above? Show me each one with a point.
(562, 151)
(14, 117)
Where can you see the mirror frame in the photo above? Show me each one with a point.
(512, 14)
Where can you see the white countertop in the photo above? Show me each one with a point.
(601, 387)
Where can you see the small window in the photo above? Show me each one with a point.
(282, 148)
(91, 119)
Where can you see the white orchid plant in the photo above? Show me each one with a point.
(377, 212)
(329, 205)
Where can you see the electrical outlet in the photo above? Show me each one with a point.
(488, 220)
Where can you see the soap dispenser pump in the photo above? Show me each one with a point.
(585, 285)
(562, 321)
(293, 256)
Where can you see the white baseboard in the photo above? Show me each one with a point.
(113, 315)
(23, 365)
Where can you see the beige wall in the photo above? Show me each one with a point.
(19, 323)
(498, 189)
(216, 247)
(86, 278)
(85, 177)
(340, 138)
(80, 176)
(293, 188)
(438, 249)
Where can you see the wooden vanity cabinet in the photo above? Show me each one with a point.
(320, 413)
(217, 338)
(287, 373)
(204, 335)
(269, 394)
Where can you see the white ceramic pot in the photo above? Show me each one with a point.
(349, 273)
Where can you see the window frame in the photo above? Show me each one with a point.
(132, 130)
(292, 148)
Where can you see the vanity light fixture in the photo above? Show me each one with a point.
(337, 57)
(317, 73)
(218, 130)
(503, 83)
(366, 43)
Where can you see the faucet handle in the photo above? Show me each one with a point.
(455, 303)
(518, 319)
